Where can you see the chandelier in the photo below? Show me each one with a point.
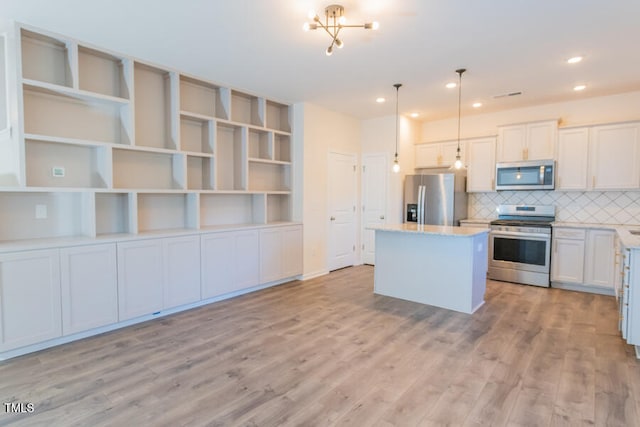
(334, 22)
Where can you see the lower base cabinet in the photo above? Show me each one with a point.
(584, 257)
(89, 285)
(30, 308)
(157, 274)
(49, 293)
(230, 262)
(280, 253)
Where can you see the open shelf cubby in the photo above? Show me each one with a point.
(196, 135)
(154, 107)
(231, 209)
(158, 212)
(148, 170)
(200, 173)
(281, 147)
(231, 146)
(65, 116)
(46, 59)
(114, 213)
(278, 117)
(260, 145)
(247, 109)
(278, 208)
(50, 164)
(103, 73)
(269, 177)
(45, 215)
(202, 98)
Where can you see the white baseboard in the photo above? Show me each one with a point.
(313, 275)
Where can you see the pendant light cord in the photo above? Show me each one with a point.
(397, 86)
(459, 71)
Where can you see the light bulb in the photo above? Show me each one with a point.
(329, 50)
(458, 163)
(396, 166)
(312, 14)
(342, 20)
(306, 26)
(375, 25)
(339, 44)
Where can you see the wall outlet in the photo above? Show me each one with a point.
(57, 172)
(41, 211)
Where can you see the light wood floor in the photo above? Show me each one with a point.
(329, 352)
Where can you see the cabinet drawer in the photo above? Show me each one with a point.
(569, 233)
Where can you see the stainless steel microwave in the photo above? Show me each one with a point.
(529, 175)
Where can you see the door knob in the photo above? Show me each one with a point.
(333, 218)
(381, 216)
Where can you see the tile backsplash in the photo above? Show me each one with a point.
(604, 207)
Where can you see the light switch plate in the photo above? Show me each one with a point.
(57, 172)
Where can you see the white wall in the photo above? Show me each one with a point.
(379, 136)
(615, 108)
(322, 131)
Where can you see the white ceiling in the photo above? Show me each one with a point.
(259, 46)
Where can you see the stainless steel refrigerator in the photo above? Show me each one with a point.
(435, 198)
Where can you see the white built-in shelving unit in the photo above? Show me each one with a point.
(109, 145)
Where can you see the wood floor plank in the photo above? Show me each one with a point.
(329, 352)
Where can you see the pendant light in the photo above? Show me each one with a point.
(458, 165)
(396, 165)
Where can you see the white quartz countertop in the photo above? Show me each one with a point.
(631, 241)
(439, 230)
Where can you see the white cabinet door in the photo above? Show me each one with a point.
(271, 245)
(291, 251)
(428, 155)
(89, 284)
(280, 253)
(230, 262)
(528, 141)
(600, 258)
(218, 260)
(247, 258)
(181, 270)
(567, 261)
(140, 278)
(30, 309)
(541, 140)
(481, 167)
(573, 155)
(615, 156)
(511, 143)
(449, 150)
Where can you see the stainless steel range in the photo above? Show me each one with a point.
(520, 244)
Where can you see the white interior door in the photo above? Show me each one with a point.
(374, 200)
(342, 210)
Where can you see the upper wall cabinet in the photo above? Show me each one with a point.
(572, 160)
(481, 161)
(615, 156)
(527, 141)
(438, 154)
(599, 158)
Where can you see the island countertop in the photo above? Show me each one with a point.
(441, 230)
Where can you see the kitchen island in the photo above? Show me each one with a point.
(441, 266)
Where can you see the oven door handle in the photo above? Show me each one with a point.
(515, 234)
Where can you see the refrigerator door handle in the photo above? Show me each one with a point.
(421, 204)
(424, 204)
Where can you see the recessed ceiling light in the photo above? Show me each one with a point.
(414, 115)
(380, 100)
(477, 104)
(578, 88)
(574, 60)
(451, 85)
